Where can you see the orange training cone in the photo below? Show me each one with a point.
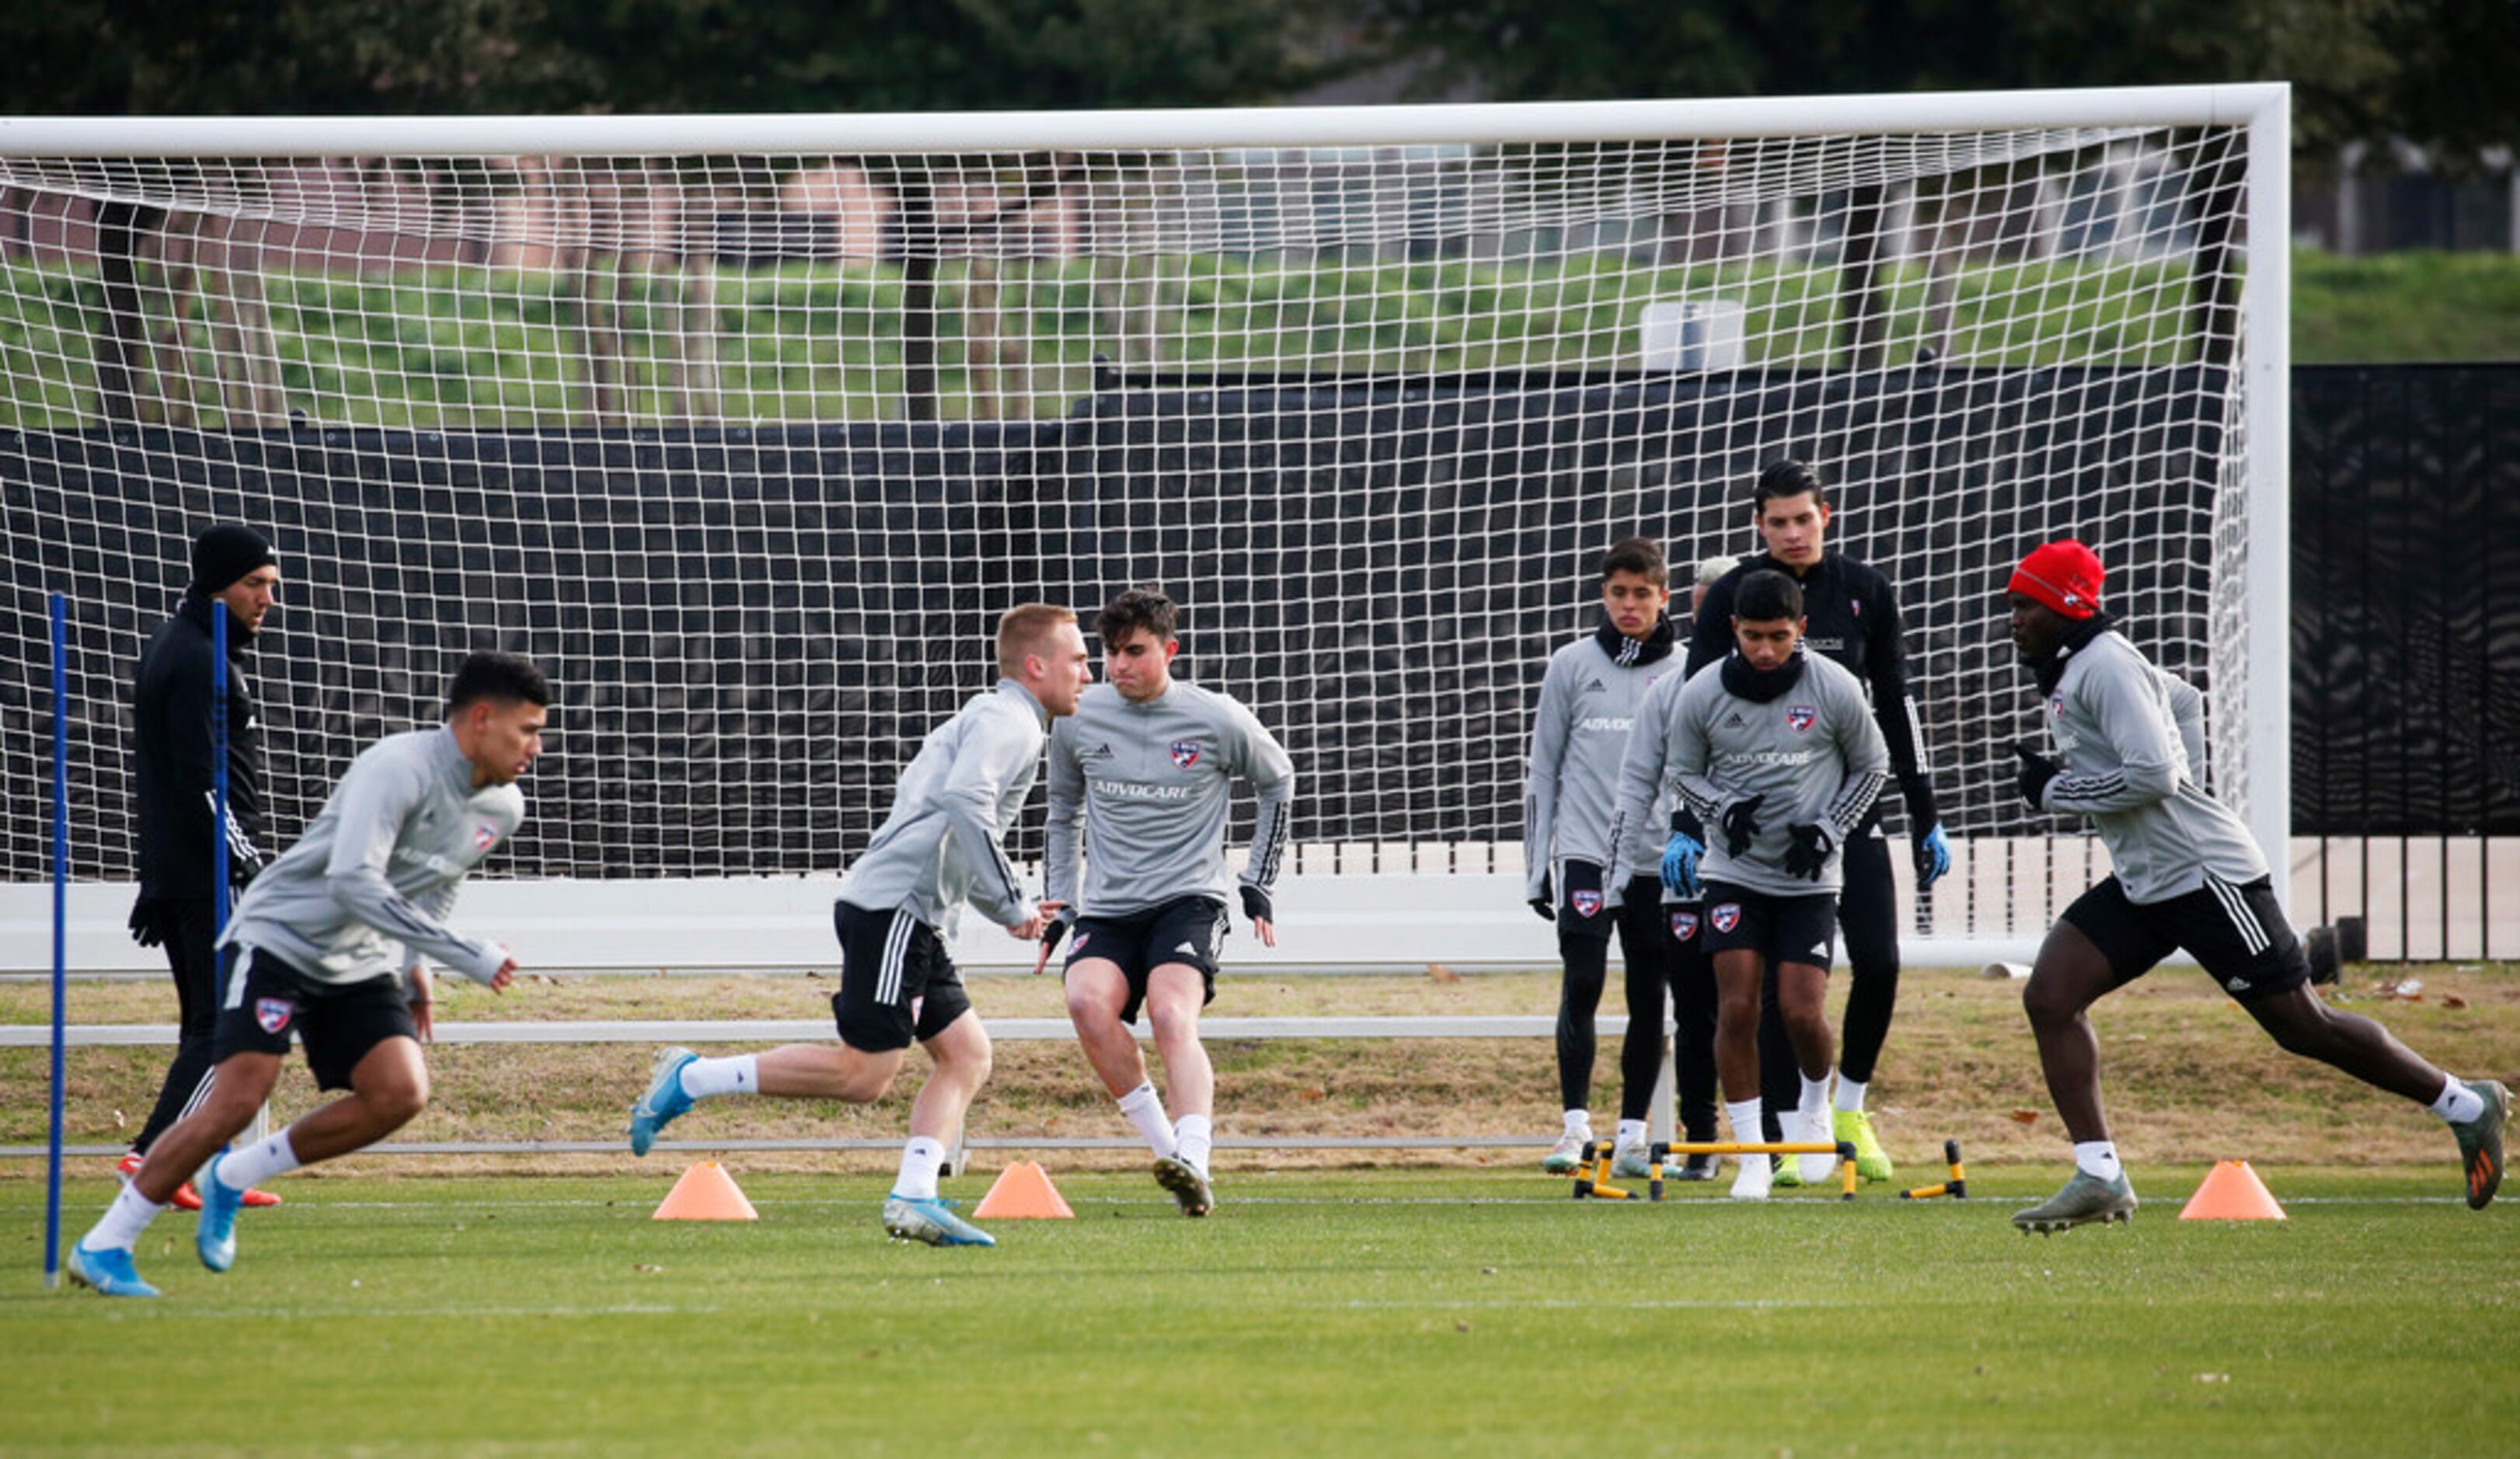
(705, 1193)
(1024, 1189)
(2231, 1192)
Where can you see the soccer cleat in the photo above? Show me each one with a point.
(1757, 1177)
(1629, 1161)
(1187, 1183)
(2480, 1142)
(1787, 1175)
(1811, 1129)
(1699, 1166)
(664, 1100)
(1855, 1126)
(1565, 1155)
(214, 1235)
(110, 1272)
(185, 1198)
(932, 1220)
(2086, 1198)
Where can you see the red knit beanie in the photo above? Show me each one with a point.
(2064, 575)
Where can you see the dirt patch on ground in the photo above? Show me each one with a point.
(2190, 1076)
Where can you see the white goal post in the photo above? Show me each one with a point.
(747, 427)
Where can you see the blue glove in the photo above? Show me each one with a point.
(1933, 857)
(1679, 864)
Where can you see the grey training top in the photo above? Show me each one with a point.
(939, 847)
(2119, 724)
(1151, 785)
(1589, 701)
(366, 891)
(1814, 751)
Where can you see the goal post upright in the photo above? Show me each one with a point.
(2268, 344)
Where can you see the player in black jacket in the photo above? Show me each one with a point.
(233, 572)
(1854, 618)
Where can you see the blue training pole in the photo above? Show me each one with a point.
(61, 933)
(218, 770)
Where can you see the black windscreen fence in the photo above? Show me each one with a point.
(753, 628)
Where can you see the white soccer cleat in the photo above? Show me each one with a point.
(1757, 1178)
(1564, 1156)
(1812, 1129)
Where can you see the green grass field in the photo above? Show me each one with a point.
(1382, 1312)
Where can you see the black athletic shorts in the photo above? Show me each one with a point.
(2238, 933)
(896, 983)
(268, 1000)
(1583, 905)
(1781, 929)
(1187, 930)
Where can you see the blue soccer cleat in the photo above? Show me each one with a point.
(214, 1238)
(110, 1272)
(664, 1102)
(932, 1220)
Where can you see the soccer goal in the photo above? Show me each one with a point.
(747, 427)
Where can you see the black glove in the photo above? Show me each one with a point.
(2036, 770)
(1053, 936)
(1545, 904)
(1256, 903)
(1741, 825)
(1808, 856)
(153, 921)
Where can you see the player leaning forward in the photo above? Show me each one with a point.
(1147, 765)
(2188, 876)
(326, 946)
(939, 847)
(1777, 752)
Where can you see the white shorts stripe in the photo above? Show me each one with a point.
(896, 946)
(2253, 933)
(236, 978)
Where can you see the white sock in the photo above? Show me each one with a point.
(921, 1160)
(1815, 1100)
(1744, 1115)
(119, 1228)
(706, 1079)
(1145, 1110)
(2457, 1103)
(1193, 1134)
(1579, 1123)
(1850, 1094)
(258, 1163)
(1632, 1133)
(2097, 1158)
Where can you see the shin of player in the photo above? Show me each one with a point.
(1775, 754)
(1589, 698)
(318, 950)
(1144, 771)
(940, 847)
(2188, 875)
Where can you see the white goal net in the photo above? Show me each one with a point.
(747, 428)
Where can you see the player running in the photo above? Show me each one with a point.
(1855, 621)
(320, 946)
(939, 847)
(1146, 768)
(1588, 703)
(2188, 876)
(1776, 754)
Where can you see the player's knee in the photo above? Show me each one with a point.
(2049, 1002)
(397, 1101)
(1087, 1009)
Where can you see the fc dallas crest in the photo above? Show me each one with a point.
(272, 1014)
(1588, 903)
(1185, 753)
(484, 836)
(1799, 717)
(1726, 915)
(1683, 926)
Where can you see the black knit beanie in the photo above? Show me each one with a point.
(226, 552)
